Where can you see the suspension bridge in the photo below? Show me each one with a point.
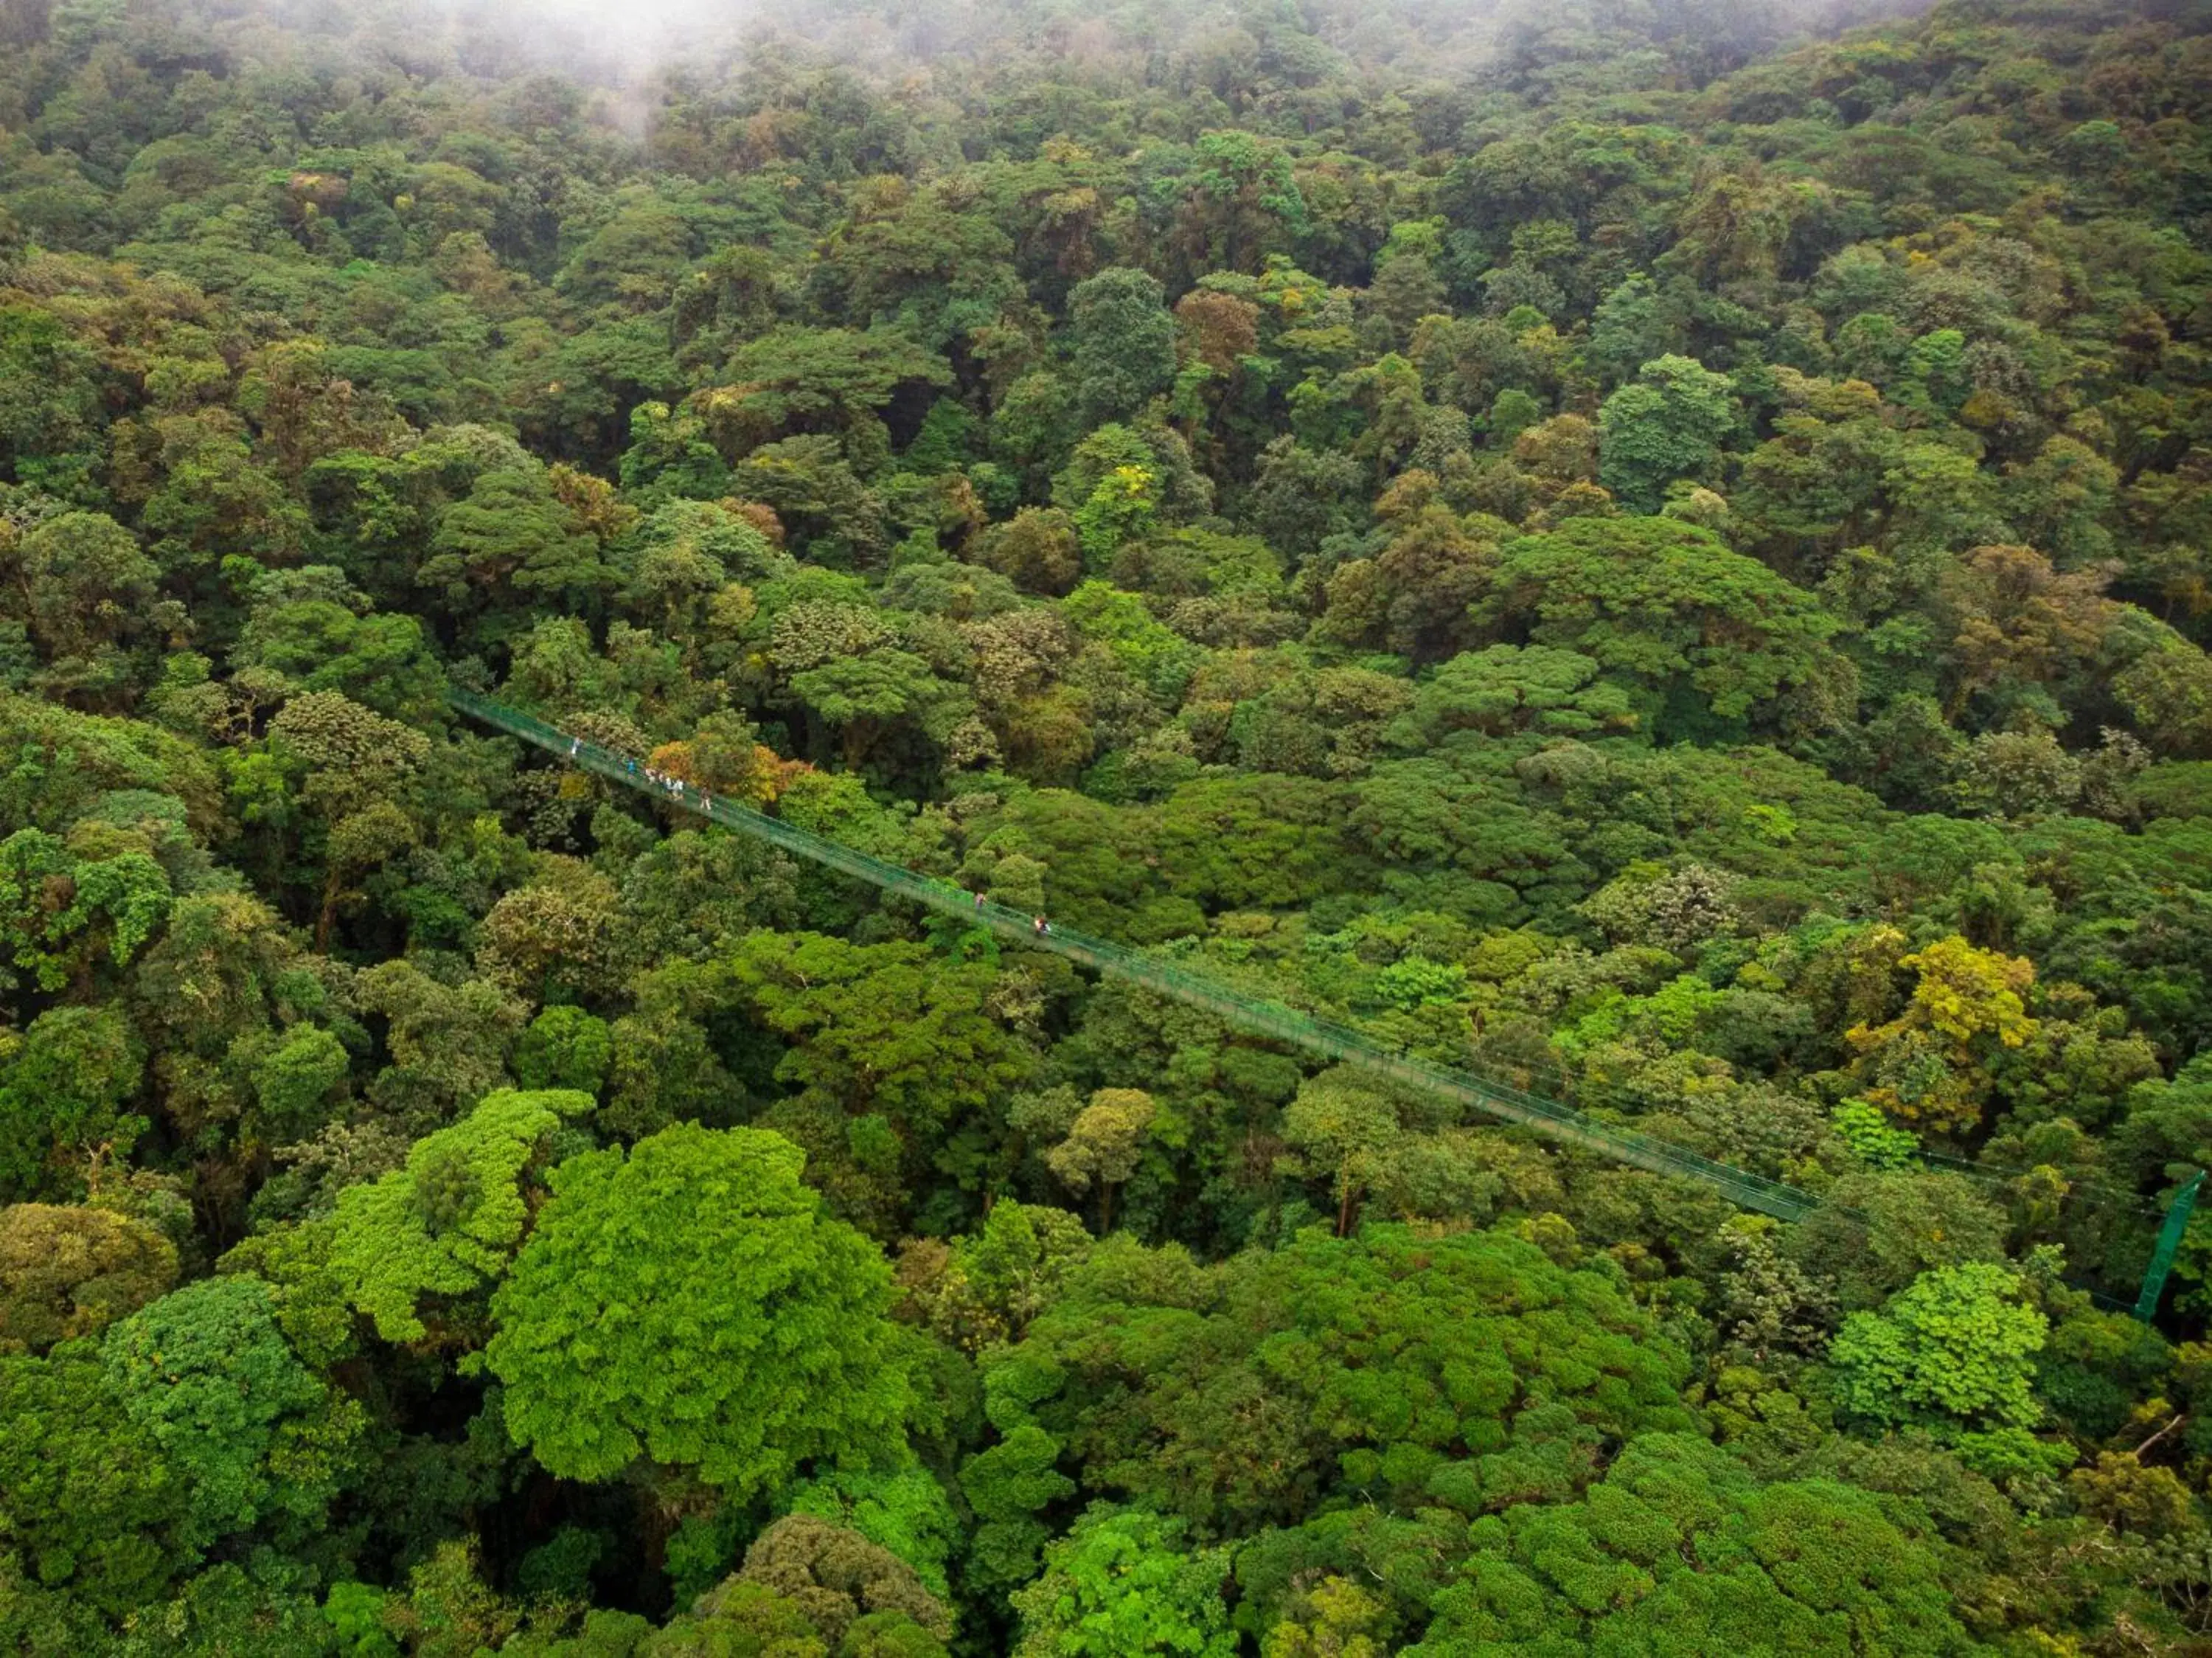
(1559, 1123)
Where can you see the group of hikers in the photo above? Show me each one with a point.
(1038, 924)
(675, 787)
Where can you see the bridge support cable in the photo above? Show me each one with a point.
(1560, 1123)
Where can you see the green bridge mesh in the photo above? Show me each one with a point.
(1560, 1123)
(1272, 1019)
(2169, 1246)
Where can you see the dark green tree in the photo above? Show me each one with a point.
(1124, 343)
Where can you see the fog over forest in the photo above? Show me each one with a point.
(606, 44)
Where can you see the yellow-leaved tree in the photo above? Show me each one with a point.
(1928, 1065)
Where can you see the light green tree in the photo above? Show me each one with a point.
(62, 914)
(1343, 1129)
(1123, 1583)
(1513, 688)
(1666, 607)
(1956, 1348)
(689, 1303)
(64, 1095)
(432, 1238)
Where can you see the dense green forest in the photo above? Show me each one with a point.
(1657, 550)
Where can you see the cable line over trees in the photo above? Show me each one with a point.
(1560, 1123)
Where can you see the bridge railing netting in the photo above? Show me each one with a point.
(1337, 1040)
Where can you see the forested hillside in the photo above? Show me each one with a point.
(1660, 551)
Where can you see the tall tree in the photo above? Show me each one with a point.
(1665, 425)
(1124, 343)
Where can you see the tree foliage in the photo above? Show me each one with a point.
(438, 1233)
(1657, 554)
(689, 1303)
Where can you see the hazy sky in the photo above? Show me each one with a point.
(621, 43)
